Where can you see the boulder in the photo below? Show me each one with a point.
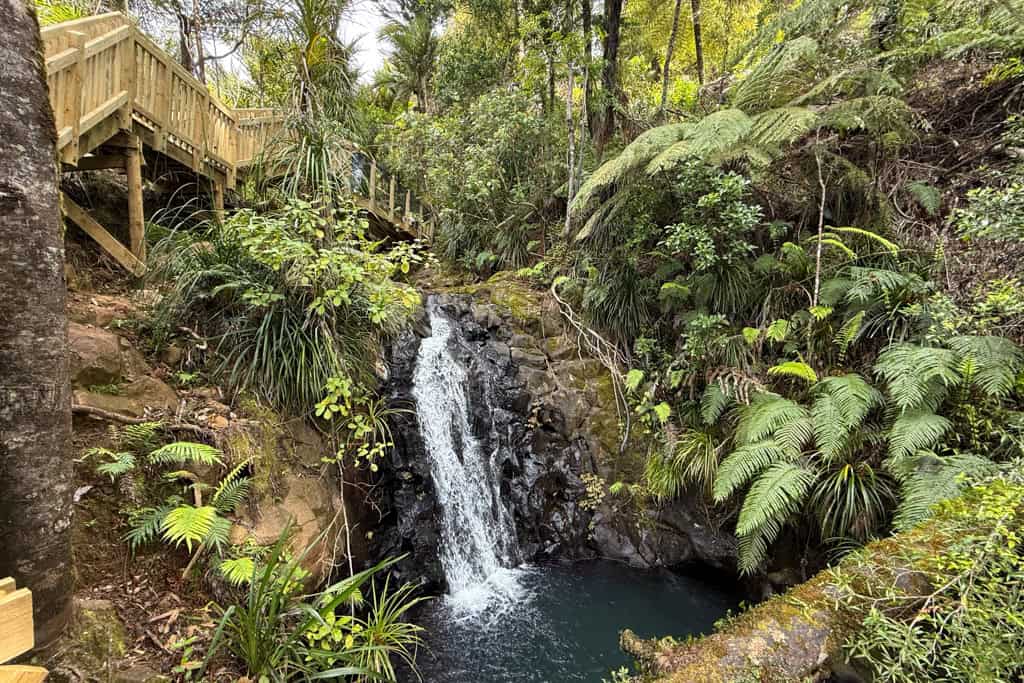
(99, 357)
(133, 398)
(312, 509)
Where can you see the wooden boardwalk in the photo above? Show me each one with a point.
(119, 99)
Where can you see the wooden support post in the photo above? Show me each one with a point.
(88, 224)
(218, 200)
(391, 199)
(127, 56)
(73, 96)
(16, 627)
(136, 213)
(374, 173)
(408, 204)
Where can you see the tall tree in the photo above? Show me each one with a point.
(412, 58)
(668, 55)
(35, 404)
(610, 71)
(698, 46)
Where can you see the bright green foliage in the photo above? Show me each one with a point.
(966, 626)
(280, 635)
(290, 298)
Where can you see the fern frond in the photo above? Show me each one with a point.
(638, 153)
(141, 437)
(118, 463)
(774, 497)
(231, 490)
(996, 362)
(743, 464)
(765, 414)
(875, 114)
(237, 571)
(888, 245)
(916, 431)
(186, 452)
(753, 549)
(778, 77)
(713, 134)
(778, 330)
(917, 376)
(934, 480)
(188, 524)
(853, 395)
(713, 403)
(781, 126)
(144, 526)
(848, 333)
(797, 369)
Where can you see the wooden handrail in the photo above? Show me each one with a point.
(106, 76)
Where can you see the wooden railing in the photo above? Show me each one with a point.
(106, 76)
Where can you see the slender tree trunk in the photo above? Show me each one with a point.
(570, 125)
(610, 72)
(668, 55)
(588, 60)
(698, 45)
(36, 483)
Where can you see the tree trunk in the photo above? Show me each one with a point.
(610, 72)
(570, 125)
(698, 45)
(36, 483)
(668, 55)
(588, 59)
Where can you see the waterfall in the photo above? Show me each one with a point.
(477, 533)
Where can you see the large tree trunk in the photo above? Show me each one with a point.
(698, 44)
(610, 72)
(35, 403)
(668, 55)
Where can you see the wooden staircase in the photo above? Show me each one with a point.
(119, 99)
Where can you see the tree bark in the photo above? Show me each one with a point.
(610, 72)
(36, 477)
(588, 59)
(668, 55)
(698, 45)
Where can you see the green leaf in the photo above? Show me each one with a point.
(797, 369)
(187, 524)
(633, 379)
(663, 411)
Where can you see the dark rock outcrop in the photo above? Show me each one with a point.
(552, 412)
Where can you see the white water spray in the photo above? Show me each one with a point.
(477, 533)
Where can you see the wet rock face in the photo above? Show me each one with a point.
(553, 417)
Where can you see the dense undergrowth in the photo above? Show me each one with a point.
(797, 247)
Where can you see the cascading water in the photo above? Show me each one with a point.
(477, 532)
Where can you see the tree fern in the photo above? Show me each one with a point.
(781, 126)
(713, 134)
(917, 376)
(996, 362)
(915, 431)
(766, 413)
(779, 76)
(743, 464)
(775, 496)
(186, 452)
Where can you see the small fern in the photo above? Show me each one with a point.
(238, 571)
(186, 452)
(189, 525)
(145, 524)
(117, 463)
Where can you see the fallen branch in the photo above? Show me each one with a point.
(111, 416)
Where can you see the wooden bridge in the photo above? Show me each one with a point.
(120, 102)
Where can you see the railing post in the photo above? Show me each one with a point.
(73, 96)
(408, 204)
(373, 184)
(136, 216)
(391, 199)
(127, 56)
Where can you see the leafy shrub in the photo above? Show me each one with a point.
(288, 299)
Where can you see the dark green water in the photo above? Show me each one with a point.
(561, 623)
